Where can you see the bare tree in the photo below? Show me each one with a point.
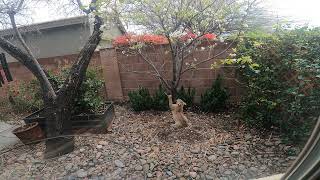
(58, 103)
(174, 18)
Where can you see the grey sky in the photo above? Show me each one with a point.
(303, 11)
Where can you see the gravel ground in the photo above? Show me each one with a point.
(145, 146)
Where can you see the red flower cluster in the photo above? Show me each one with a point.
(147, 38)
(155, 39)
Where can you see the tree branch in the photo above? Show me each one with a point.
(78, 70)
(24, 59)
(155, 69)
(41, 76)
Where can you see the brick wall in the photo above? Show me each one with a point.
(120, 71)
(127, 73)
(21, 74)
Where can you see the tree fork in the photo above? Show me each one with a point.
(58, 112)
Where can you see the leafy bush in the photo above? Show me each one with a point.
(140, 99)
(89, 98)
(27, 97)
(160, 100)
(215, 98)
(266, 62)
(186, 96)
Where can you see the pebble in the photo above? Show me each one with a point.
(209, 177)
(183, 159)
(82, 173)
(103, 143)
(195, 150)
(82, 150)
(98, 155)
(68, 166)
(119, 163)
(193, 174)
(39, 154)
(254, 169)
(235, 153)
(212, 157)
(169, 173)
(138, 168)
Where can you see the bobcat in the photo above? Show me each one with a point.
(177, 112)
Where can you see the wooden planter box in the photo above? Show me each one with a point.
(93, 123)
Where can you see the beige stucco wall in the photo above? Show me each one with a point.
(53, 42)
(64, 40)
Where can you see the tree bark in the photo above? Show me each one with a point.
(58, 109)
(58, 103)
(58, 113)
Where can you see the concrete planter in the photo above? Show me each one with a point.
(94, 123)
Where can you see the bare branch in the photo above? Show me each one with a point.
(159, 76)
(45, 84)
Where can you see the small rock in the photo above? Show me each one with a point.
(22, 157)
(147, 149)
(149, 175)
(254, 169)
(264, 167)
(103, 143)
(195, 169)
(212, 157)
(82, 150)
(268, 143)
(195, 150)
(138, 168)
(119, 163)
(99, 146)
(39, 154)
(91, 164)
(221, 169)
(235, 153)
(193, 174)
(152, 166)
(241, 167)
(81, 173)
(143, 162)
(98, 155)
(63, 158)
(236, 147)
(209, 177)
(68, 166)
(169, 173)
(292, 157)
(146, 167)
(227, 172)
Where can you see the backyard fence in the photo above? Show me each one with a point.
(123, 73)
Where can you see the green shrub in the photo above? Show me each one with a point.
(215, 98)
(265, 63)
(27, 97)
(89, 98)
(160, 100)
(140, 99)
(186, 96)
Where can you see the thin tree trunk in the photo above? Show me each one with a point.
(48, 91)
